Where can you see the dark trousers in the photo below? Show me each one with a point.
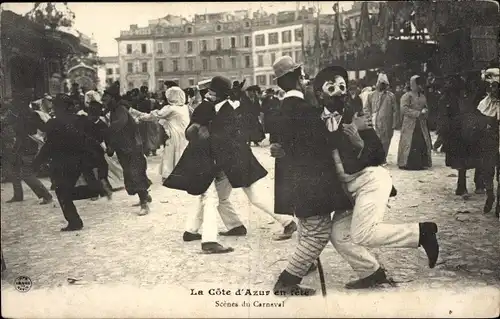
(20, 174)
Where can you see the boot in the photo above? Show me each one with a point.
(46, 201)
(428, 240)
(14, 200)
(144, 209)
(377, 278)
(73, 226)
(289, 285)
(150, 199)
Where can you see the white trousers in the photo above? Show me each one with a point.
(371, 190)
(217, 196)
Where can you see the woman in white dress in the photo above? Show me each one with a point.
(174, 118)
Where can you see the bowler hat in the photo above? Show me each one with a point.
(220, 85)
(284, 65)
(328, 74)
(113, 90)
(170, 84)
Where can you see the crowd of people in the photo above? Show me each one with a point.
(96, 143)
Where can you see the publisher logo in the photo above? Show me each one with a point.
(23, 283)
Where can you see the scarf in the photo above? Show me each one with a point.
(332, 120)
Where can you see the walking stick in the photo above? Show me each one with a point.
(321, 278)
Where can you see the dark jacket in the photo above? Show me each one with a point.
(123, 132)
(226, 150)
(353, 161)
(354, 104)
(314, 186)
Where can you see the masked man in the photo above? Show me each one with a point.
(314, 187)
(358, 157)
(381, 105)
(221, 123)
(125, 140)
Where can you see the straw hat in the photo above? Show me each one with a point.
(284, 65)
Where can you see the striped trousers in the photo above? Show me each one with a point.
(313, 235)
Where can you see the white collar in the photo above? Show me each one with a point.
(295, 93)
(234, 104)
(325, 110)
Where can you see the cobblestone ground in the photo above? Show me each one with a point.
(117, 246)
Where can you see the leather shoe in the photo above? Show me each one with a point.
(237, 231)
(373, 280)
(287, 232)
(215, 248)
(187, 236)
(14, 200)
(72, 227)
(428, 240)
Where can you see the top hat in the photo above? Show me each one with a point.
(328, 74)
(220, 85)
(284, 65)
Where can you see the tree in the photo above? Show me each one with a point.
(52, 15)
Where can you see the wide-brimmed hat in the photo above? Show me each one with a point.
(328, 74)
(284, 65)
(220, 85)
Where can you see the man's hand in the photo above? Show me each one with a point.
(109, 151)
(277, 150)
(351, 132)
(363, 122)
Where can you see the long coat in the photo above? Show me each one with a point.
(411, 105)
(382, 107)
(314, 186)
(225, 150)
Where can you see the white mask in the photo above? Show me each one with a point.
(335, 88)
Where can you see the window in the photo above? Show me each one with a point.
(218, 44)
(298, 34)
(233, 42)
(129, 48)
(220, 64)
(260, 40)
(174, 47)
(143, 48)
(272, 81)
(298, 56)
(190, 64)
(273, 38)
(247, 24)
(130, 85)
(117, 71)
(247, 61)
(175, 65)
(204, 46)
(260, 60)
(190, 30)
(233, 62)
(219, 27)
(204, 63)
(109, 71)
(273, 58)
(261, 80)
(247, 41)
(159, 47)
(286, 36)
(189, 46)
(144, 67)
(191, 82)
(130, 68)
(160, 66)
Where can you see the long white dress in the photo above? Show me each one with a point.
(174, 119)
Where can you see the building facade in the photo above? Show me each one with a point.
(109, 71)
(186, 53)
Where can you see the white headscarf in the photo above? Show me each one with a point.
(175, 96)
(382, 78)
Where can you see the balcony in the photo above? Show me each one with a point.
(219, 52)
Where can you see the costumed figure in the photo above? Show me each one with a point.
(251, 104)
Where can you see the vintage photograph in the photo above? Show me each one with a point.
(250, 159)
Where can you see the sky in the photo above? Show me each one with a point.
(105, 20)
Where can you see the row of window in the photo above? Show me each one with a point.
(273, 37)
(175, 66)
(109, 71)
(174, 47)
(261, 80)
(297, 58)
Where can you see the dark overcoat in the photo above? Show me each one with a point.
(225, 150)
(311, 179)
